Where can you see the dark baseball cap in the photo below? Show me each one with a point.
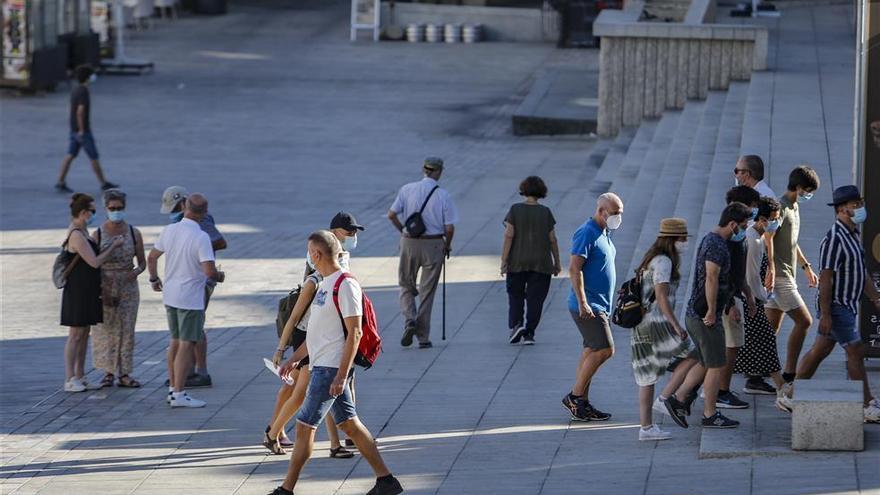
(845, 194)
(345, 220)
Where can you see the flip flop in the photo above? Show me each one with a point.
(341, 453)
(126, 381)
(107, 381)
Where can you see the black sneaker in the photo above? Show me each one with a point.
(386, 486)
(516, 334)
(594, 414)
(575, 407)
(729, 400)
(676, 411)
(408, 333)
(758, 386)
(281, 491)
(167, 382)
(196, 381)
(425, 345)
(61, 187)
(108, 185)
(528, 340)
(719, 420)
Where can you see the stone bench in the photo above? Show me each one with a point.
(828, 415)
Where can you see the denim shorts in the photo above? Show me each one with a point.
(843, 326)
(319, 402)
(87, 142)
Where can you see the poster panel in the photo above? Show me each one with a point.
(15, 40)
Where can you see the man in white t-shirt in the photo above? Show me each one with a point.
(331, 349)
(189, 265)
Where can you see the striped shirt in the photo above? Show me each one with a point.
(842, 252)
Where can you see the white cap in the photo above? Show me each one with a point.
(171, 197)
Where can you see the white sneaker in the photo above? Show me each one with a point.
(184, 400)
(653, 433)
(784, 402)
(74, 385)
(872, 412)
(168, 398)
(659, 407)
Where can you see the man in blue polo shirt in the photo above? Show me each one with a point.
(592, 275)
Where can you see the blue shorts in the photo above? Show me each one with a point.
(318, 401)
(86, 142)
(843, 326)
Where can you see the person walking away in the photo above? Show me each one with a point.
(190, 262)
(592, 272)
(843, 280)
(173, 203)
(740, 303)
(81, 131)
(81, 305)
(781, 277)
(660, 338)
(113, 340)
(530, 255)
(759, 356)
(331, 344)
(422, 252)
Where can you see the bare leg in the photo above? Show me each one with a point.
(646, 400)
(710, 387)
(822, 347)
(71, 348)
(727, 370)
(65, 168)
(695, 377)
(302, 450)
(182, 363)
(774, 317)
(591, 360)
(82, 349)
(283, 395)
(678, 377)
(332, 433)
(802, 322)
(366, 444)
(172, 354)
(293, 403)
(200, 353)
(855, 365)
(96, 166)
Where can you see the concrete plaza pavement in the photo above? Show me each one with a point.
(282, 122)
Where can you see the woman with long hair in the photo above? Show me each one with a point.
(660, 338)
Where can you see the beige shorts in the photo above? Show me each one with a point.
(785, 295)
(734, 331)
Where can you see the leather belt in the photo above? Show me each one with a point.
(438, 236)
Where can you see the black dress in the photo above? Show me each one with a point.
(759, 356)
(81, 304)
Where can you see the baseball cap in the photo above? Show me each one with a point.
(345, 220)
(433, 163)
(171, 197)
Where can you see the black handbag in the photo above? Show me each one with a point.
(415, 226)
(630, 309)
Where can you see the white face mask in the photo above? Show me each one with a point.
(681, 246)
(613, 222)
(93, 78)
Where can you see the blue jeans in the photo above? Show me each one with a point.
(843, 326)
(86, 142)
(319, 402)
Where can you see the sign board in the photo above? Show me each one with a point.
(15, 40)
(365, 15)
(867, 163)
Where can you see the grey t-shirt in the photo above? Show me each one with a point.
(785, 241)
(530, 251)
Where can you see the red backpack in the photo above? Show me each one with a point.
(371, 343)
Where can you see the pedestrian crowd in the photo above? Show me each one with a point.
(742, 287)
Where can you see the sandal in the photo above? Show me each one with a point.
(341, 453)
(126, 381)
(273, 446)
(107, 381)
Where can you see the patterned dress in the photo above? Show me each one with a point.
(654, 341)
(113, 340)
(759, 355)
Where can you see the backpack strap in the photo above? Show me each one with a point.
(425, 203)
(336, 287)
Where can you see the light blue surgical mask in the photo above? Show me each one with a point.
(176, 217)
(772, 225)
(116, 216)
(860, 215)
(349, 243)
(91, 219)
(93, 78)
(739, 236)
(754, 213)
(806, 196)
(309, 261)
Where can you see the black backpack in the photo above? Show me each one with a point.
(414, 224)
(630, 308)
(285, 307)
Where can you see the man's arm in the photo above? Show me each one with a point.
(392, 216)
(219, 244)
(812, 279)
(770, 278)
(712, 273)
(505, 248)
(81, 118)
(826, 283)
(211, 272)
(353, 325)
(153, 267)
(554, 249)
(575, 264)
(450, 233)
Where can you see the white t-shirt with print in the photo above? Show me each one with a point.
(186, 247)
(326, 337)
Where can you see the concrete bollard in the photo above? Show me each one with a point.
(828, 415)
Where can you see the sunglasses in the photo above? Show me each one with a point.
(738, 170)
(115, 208)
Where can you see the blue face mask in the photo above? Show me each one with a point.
(309, 262)
(176, 217)
(860, 215)
(739, 236)
(116, 216)
(91, 219)
(806, 196)
(754, 213)
(772, 225)
(349, 243)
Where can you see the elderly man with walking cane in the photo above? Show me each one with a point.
(425, 242)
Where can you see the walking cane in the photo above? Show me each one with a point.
(444, 295)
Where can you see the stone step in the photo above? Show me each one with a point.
(702, 216)
(611, 163)
(756, 121)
